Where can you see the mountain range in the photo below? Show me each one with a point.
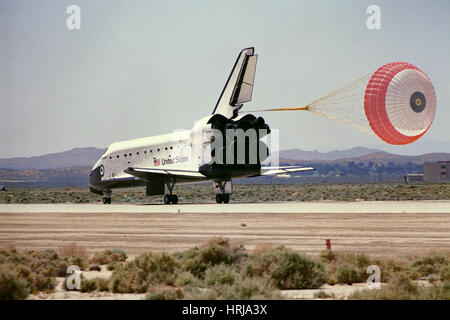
(80, 157)
(71, 158)
(71, 167)
(376, 157)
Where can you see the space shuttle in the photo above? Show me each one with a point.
(222, 146)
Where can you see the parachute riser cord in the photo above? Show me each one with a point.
(397, 103)
(357, 82)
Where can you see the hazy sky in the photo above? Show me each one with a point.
(140, 68)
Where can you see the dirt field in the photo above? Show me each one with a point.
(409, 230)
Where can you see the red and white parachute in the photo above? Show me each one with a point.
(397, 103)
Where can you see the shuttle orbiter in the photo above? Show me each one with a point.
(201, 154)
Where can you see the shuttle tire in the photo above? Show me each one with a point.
(222, 198)
(170, 199)
(167, 199)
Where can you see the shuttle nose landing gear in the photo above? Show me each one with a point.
(107, 197)
(222, 189)
(170, 198)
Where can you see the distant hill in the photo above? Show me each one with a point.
(418, 147)
(45, 178)
(298, 154)
(71, 158)
(78, 157)
(71, 168)
(376, 158)
(385, 157)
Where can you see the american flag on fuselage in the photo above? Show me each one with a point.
(156, 162)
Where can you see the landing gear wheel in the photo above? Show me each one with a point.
(105, 200)
(226, 198)
(167, 199)
(109, 200)
(170, 198)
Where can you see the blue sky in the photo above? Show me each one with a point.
(140, 68)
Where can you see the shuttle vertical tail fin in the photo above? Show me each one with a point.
(239, 86)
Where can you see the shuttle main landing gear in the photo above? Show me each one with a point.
(222, 189)
(107, 197)
(225, 198)
(170, 198)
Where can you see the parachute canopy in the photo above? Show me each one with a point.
(397, 103)
(400, 103)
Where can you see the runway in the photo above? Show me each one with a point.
(381, 228)
(428, 206)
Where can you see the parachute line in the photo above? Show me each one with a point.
(339, 105)
(397, 103)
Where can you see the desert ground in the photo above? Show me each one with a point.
(376, 228)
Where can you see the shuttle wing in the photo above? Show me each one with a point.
(163, 174)
(271, 171)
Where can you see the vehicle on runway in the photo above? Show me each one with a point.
(220, 147)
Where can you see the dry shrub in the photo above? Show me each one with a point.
(214, 252)
(261, 248)
(430, 264)
(185, 278)
(401, 288)
(256, 288)
(196, 293)
(164, 293)
(12, 285)
(347, 274)
(287, 269)
(220, 274)
(113, 265)
(72, 249)
(95, 267)
(445, 274)
(328, 256)
(87, 285)
(101, 284)
(108, 256)
(146, 270)
(357, 262)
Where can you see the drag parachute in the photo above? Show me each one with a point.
(397, 103)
